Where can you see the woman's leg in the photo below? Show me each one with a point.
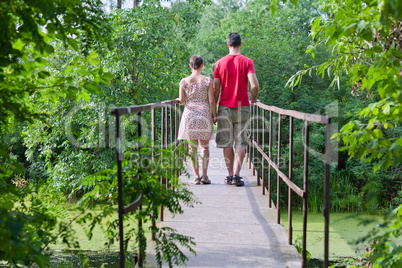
(193, 145)
(205, 156)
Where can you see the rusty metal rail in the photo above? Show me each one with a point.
(257, 156)
(170, 117)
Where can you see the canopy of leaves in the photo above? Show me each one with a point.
(367, 41)
(29, 32)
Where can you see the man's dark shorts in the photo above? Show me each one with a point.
(232, 126)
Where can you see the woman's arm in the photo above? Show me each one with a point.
(181, 98)
(212, 102)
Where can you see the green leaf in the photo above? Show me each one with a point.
(49, 49)
(386, 109)
(91, 87)
(94, 61)
(273, 9)
(18, 44)
(83, 95)
(73, 43)
(107, 77)
(336, 136)
(376, 167)
(348, 126)
(76, 59)
(83, 71)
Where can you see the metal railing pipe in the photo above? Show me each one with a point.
(305, 189)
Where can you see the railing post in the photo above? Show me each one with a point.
(180, 144)
(278, 182)
(290, 175)
(176, 152)
(153, 136)
(139, 133)
(162, 147)
(119, 156)
(270, 157)
(166, 144)
(262, 158)
(305, 190)
(250, 143)
(254, 139)
(258, 144)
(171, 127)
(326, 186)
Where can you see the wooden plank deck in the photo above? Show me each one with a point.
(233, 226)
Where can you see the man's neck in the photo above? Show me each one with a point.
(234, 50)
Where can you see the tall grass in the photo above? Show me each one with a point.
(344, 195)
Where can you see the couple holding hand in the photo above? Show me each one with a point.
(200, 94)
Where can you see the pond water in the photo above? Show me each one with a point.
(345, 231)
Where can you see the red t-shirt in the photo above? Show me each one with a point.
(232, 70)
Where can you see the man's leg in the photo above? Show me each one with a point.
(240, 130)
(239, 157)
(224, 137)
(228, 154)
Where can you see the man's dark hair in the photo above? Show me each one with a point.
(234, 39)
(196, 61)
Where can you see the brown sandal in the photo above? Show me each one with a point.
(205, 180)
(196, 181)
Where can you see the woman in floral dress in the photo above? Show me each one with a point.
(196, 125)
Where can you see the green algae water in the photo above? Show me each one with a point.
(345, 231)
(98, 240)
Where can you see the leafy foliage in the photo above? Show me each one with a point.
(63, 138)
(76, 141)
(367, 41)
(142, 173)
(366, 38)
(386, 252)
(29, 221)
(29, 34)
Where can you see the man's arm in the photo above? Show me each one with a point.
(217, 86)
(252, 78)
(212, 102)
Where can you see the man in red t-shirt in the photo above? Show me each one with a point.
(231, 77)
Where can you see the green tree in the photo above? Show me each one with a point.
(366, 39)
(148, 58)
(29, 33)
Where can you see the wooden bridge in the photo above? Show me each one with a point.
(239, 226)
(233, 226)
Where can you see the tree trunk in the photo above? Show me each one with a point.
(119, 4)
(136, 2)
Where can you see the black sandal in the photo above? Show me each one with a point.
(237, 180)
(229, 180)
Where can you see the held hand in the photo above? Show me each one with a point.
(214, 119)
(253, 101)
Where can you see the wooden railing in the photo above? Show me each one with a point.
(256, 153)
(168, 130)
(258, 156)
